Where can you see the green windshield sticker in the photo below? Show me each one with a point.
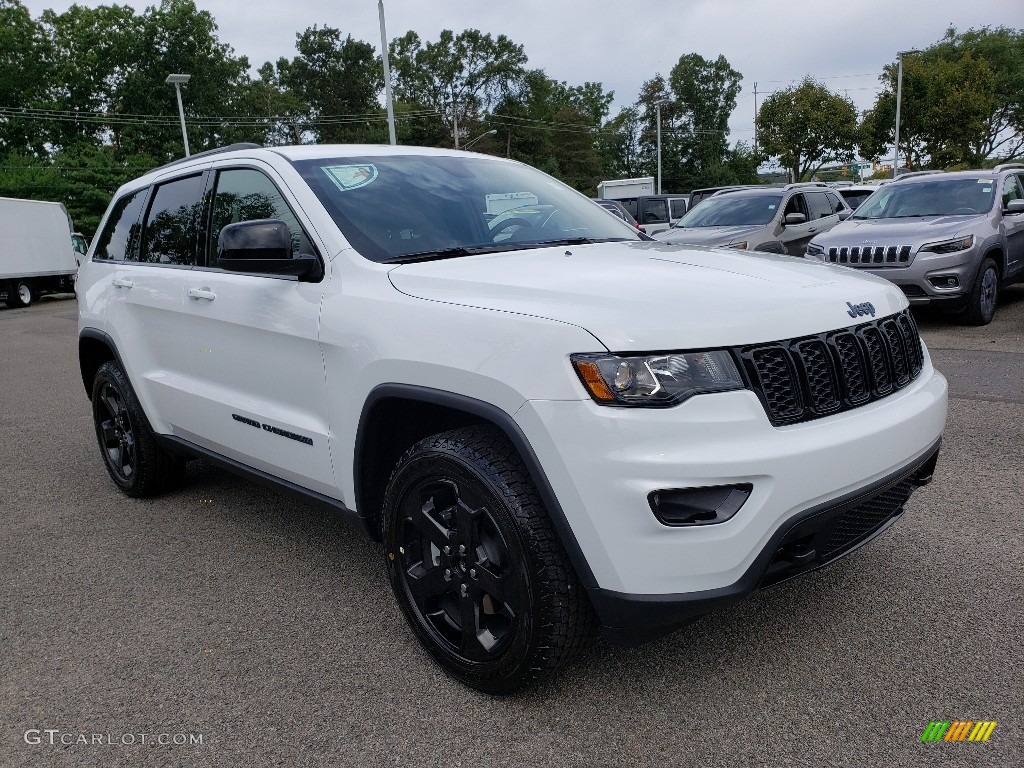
(349, 177)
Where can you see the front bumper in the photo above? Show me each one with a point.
(603, 462)
(806, 542)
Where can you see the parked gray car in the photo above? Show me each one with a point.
(948, 240)
(772, 219)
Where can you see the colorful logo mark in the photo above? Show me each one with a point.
(958, 730)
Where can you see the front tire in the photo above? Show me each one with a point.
(981, 306)
(136, 462)
(476, 565)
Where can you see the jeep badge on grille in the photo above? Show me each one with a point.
(856, 310)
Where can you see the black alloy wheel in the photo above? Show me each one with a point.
(116, 433)
(476, 565)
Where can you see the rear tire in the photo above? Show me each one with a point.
(136, 462)
(20, 294)
(981, 306)
(476, 565)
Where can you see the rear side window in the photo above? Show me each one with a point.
(837, 202)
(121, 233)
(169, 234)
(247, 195)
(655, 211)
(1012, 190)
(818, 205)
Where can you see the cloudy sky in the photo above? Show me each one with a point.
(621, 44)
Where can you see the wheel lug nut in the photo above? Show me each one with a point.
(447, 574)
(472, 573)
(462, 549)
(447, 550)
(464, 590)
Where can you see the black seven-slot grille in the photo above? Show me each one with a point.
(876, 256)
(807, 378)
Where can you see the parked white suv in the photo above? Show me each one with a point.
(547, 420)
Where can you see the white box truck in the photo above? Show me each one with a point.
(36, 252)
(617, 189)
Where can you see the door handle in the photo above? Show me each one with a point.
(121, 282)
(201, 293)
(813, 229)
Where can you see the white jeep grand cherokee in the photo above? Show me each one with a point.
(546, 418)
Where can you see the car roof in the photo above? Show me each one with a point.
(947, 176)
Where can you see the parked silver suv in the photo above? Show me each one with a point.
(949, 240)
(773, 219)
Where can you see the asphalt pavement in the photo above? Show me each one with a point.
(224, 625)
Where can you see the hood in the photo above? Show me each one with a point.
(707, 235)
(650, 296)
(909, 231)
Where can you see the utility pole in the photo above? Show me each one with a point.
(387, 74)
(755, 119)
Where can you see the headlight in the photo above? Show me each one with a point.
(815, 250)
(949, 246)
(656, 380)
(739, 245)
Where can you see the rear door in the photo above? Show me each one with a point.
(654, 214)
(252, 343)
(147, 294)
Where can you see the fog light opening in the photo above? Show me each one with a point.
(944, 281)
(698, 506)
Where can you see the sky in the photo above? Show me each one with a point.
(621, 44)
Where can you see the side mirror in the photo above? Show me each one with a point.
(795, 218)
(264, 247)
(1015, 206)
(845, 214)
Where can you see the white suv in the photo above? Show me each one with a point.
(547, 420)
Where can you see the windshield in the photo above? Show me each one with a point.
(941, 197)
(407, 207)
(730, 210)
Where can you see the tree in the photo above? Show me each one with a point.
(459, 76)
(945, 104)
(705, 92)
(24, 73)
(338, 81)
(806, 126)
(620, 145)
(1002, 50)
(177, 37)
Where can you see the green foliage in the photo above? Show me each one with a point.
(338, 82)
(962, 101)
(24, 71)
(806, 126)
(458, 77)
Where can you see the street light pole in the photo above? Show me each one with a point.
(473, 141)
(657, 106)
(178, 81)
(899, 98)
(387, 74)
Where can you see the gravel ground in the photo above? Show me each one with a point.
(226, 614)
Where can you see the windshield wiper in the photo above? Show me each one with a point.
(452, 253)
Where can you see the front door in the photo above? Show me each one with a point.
(259, 393)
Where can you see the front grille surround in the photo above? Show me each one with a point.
(807, 378)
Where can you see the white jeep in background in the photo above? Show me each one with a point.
(548, 421)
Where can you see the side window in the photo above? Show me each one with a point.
(1012, 189)
(677, 207)
(630, 205)
(122, 230)
(818, 205)
(795, 205)
(655, 211)
(837, 202)
(169, 234)
(246, 195)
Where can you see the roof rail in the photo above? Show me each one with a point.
(912, 174)
(802, 184)
(217, 151)
(1004, 166)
